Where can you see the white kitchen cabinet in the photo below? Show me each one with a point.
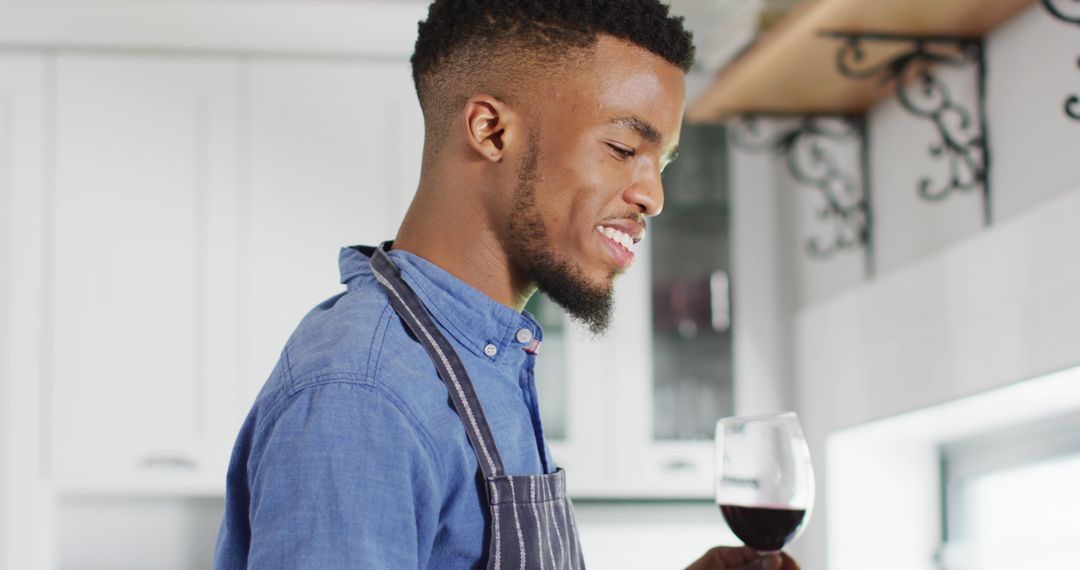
(139, 233)
(199, 204)
(332, 158)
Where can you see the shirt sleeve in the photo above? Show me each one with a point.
(342, 478)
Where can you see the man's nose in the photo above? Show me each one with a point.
(647, 193)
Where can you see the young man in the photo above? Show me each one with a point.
(400, 427)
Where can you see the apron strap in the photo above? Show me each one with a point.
(462, 395)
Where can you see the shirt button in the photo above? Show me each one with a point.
(524, 336)
(491, 350)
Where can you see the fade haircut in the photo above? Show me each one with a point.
(470, 46)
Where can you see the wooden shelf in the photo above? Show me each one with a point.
(792, 68)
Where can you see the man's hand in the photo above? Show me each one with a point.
(742, 558)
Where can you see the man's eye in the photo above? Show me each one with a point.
(623, 152)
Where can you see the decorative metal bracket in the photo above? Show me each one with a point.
(1072, 103)
(803, 147)
(962, 132)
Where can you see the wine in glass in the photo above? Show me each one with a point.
(764, 479)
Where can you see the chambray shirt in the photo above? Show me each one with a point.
(352, 456)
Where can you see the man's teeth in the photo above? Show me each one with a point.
(617, 236)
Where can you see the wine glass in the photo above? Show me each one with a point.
(764, 479)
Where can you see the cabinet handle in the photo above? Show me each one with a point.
(679, 465)
(720, 301)
(173, 462)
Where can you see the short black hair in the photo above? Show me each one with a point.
(458, 31)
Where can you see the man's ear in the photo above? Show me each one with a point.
(490, 126)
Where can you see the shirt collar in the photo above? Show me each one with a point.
(475, 320)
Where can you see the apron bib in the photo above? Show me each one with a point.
(532, 519)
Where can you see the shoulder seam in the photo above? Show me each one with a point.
(286, 368)
(375, 350)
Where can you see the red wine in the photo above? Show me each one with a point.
(763, 528)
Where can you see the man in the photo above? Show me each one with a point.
(400, 427)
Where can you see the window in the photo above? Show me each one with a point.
(1012, 497)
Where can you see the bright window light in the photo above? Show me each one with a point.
(968, 484)
(1024, 517)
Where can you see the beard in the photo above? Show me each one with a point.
(566, 284)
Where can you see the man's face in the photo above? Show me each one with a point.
(592, 175)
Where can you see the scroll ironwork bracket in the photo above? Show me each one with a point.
(805, 151)
(961, 132)
(1072, 102)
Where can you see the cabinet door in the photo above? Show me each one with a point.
(144, 152)
(23, 519)
(332, 159)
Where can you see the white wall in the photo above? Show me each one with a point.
(889, 471)
(1033, 69)
(995, 309)
(956, 308)
(762, 278)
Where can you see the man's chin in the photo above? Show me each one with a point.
(587, 297)
(591, 307)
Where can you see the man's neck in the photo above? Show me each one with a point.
(448, 226)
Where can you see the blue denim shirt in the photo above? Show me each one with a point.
(352, 457)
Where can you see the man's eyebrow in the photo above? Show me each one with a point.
(641, 127)
(647, 132)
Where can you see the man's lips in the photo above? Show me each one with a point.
(620, 236)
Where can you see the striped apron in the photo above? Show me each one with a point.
(531, 518)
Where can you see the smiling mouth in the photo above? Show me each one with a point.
(621, 238)
(619, 245)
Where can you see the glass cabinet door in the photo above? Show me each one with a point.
(691, 315)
